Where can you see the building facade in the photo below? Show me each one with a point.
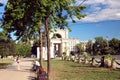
(60, 42)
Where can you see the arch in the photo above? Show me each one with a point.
(58, 35)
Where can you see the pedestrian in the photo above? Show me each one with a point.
(36, 65)
(18, 62)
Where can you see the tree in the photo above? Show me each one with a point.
(25, 20)
(99, 45)
(114, 45)
(80, 47)
(7, 46)
(26, 14)
(23, 49)
(89, 46)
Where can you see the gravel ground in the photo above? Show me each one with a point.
(12, 73)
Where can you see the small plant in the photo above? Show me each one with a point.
(113, 64)
(110, 61)
(79, 58)
(64, 56)
(76, 58)
(86, 58)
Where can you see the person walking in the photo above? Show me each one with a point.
(18, 62)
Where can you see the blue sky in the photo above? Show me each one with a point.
(88, 31)
(103, 19)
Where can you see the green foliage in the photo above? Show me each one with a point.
(113, 51)
(89, 47)
(7, 47)
(80, 47)
(2, 35)
(18, 18)
(5, 62)
(114, 44)
(103, 46)
(100, 43)
(108, 56)
(22, 16)
(23, 49)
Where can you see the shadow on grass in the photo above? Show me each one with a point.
(118, 69)
(82, 65)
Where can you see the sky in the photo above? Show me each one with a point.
(102, 20)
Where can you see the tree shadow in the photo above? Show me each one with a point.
(4, 65)
(28, 60)
(84, 65)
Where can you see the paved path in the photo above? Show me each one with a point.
(11, 73)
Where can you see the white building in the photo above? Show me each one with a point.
(60, 42)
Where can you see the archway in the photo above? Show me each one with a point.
(57, 49)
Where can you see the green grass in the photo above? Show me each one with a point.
(66, 70)
(4, 63)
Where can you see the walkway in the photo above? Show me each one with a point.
(11, 73)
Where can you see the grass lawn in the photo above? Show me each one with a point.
(4, 63)
(66, 70)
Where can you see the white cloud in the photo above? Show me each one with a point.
(3, 1)
(100, 10)
(118, 14)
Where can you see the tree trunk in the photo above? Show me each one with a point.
(40, 42)
(102, 61)
(48, 47)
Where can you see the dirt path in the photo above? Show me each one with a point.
(25, 73)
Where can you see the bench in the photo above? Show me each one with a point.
(41, 74)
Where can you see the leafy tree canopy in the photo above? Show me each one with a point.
(23, 16)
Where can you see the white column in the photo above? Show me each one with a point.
(38, 53)
(67, 46)
(45, 53)
(52, 54)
